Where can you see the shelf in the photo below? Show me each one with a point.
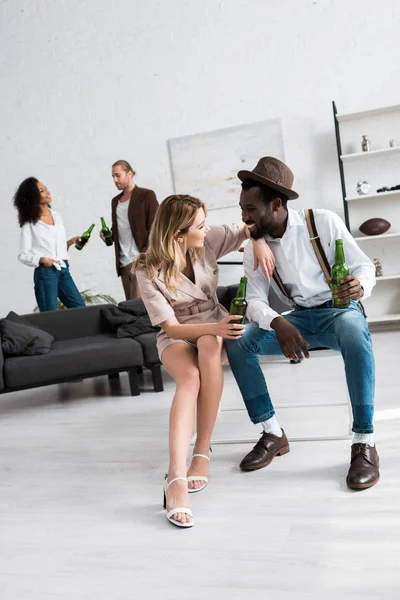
(383, 318)
(375, 112)
(345, 157)
(376, 237)
(373, 196)
(387, 277)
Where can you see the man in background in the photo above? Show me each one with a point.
(132, 213)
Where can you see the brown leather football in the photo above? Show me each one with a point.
(375, 226)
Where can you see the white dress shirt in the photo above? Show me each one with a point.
(40, 239)
(298, 266)
(127, 244)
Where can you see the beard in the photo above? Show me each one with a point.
(263, 229)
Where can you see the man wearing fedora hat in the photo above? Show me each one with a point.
(313, 322)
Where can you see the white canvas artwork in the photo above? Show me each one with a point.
(205, 165)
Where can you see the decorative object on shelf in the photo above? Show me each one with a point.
(375, 226)
(365, 144)
(392, 143)
(378, 267)
(363, 188)
(387, 189)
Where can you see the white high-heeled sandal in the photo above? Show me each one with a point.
(175, 511)
(198, 477)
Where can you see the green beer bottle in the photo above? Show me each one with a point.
(106, 232)
(338, 272)
(84, 238)
(239, 304)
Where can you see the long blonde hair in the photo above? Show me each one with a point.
(165, 254)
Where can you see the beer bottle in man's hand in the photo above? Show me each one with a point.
(338, 272)
(106, 233)
(83, 240)
(239, 304)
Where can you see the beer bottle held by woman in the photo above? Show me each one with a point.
(239, 303)
(83, 240)
(339, 271)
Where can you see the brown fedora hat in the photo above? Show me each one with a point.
(273, 173)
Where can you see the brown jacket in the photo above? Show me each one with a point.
(141, 212)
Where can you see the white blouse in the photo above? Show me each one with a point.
(40, 239)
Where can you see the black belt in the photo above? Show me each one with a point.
(327, 304)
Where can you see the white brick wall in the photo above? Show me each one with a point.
(84, 83)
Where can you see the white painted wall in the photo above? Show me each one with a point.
(84, 83)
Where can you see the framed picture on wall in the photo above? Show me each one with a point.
(205, 165)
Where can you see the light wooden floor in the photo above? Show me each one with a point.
(80, 497)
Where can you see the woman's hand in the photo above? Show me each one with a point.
(73, 241)
(48, 262)
(263, 256)
(228, 330)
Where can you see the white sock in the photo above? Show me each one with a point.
(272, 426)
(363, 438)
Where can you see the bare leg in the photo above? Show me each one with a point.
(212, 379)
(180, 360)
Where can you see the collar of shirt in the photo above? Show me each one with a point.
(294, 220)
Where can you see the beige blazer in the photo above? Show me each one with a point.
(191, 302)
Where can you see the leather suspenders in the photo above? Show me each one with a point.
(318, 249)
(319, 252)
(316, 242)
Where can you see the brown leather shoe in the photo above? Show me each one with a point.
(267, 447)
(364, 467)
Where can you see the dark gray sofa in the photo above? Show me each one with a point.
(84, 347)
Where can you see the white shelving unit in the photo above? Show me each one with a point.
(372, 238)
(387, 277)
(380, 167)
(374, 112)
(369, 154)
(374, 196)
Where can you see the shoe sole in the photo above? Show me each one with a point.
(280, 452)
(362, 486)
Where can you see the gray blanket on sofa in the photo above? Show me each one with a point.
(128, 321)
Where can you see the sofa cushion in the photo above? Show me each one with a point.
(73, 358)
(71, 323)
(19, 338)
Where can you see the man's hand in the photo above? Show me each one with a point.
(102, 236)
(290, 339)
(263, 256)
(350, 289)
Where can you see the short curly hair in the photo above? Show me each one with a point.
(267, 193)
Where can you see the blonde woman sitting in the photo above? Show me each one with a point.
(178, 278)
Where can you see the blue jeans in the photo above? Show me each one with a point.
(344, 330)
(50, 284)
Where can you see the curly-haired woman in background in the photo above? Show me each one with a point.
(43, 245)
